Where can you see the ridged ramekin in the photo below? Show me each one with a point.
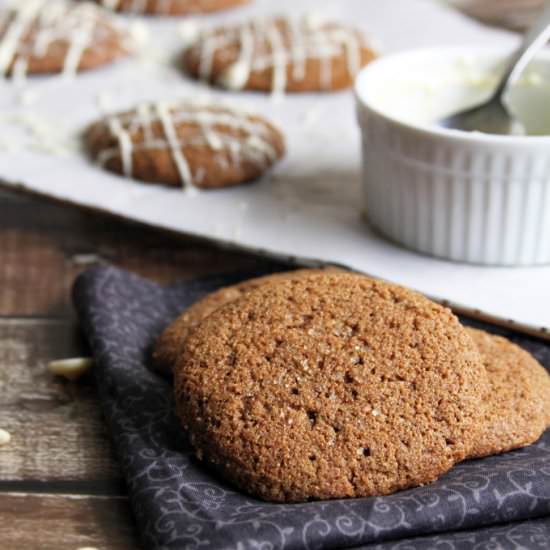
(461, 196)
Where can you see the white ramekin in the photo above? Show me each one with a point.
(462, 196)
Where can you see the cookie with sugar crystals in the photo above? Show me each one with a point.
(518, 404)
(187, 145)
(170, 7)
(170, 342)
(330, 385)
(57, 36)
(279, 54)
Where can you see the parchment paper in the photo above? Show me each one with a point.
(309, 207)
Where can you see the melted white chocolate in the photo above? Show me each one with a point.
(276, 44)
(216, 128)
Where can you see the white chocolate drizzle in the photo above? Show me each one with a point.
(28, 29)
(282, 46)
(171, 134)
(228, 133)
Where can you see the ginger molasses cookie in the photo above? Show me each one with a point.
(518, 404)
(169, 343)
(171, 7)
(54, 36)
(187, 145)
(330, 385)
(278, 55)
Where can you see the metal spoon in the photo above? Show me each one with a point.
(493, 116)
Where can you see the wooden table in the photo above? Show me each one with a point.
(61, 487)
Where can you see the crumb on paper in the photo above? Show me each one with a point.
(311, 116)
(72, 369)
(189, 31)
(8, 145)
(139, 34)
(104, 101)
(38, 132)
(5, 437)
(27, 98)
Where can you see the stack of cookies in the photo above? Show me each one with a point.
(325, 384)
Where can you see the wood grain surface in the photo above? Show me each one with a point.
(60, 484)
(54, 522)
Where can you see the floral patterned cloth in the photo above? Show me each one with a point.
(497, 502)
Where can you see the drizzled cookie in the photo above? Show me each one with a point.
(187, 145)
(278, 55)
(57, 36)
(170, 7)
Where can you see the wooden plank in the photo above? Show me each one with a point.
(56, 426)
(45, 245)
(66, 522)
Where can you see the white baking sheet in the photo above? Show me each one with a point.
(308, 207)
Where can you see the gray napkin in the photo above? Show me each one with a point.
(179, 504)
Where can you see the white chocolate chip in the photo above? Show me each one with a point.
(5, 437)
(375, 412)
(189, 31)
(139, 33)
(72, 369)
(86, 259)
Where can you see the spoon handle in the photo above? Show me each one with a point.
(534, 39)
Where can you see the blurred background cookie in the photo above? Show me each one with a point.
(170, 7)
(330, 385)
(518, 404)
(279, 54)
(54, 36)
(187, 145)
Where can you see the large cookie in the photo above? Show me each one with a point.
(518, 404)
(279, 55)
(170, 7)
(170, 342)
(330, 385)
(186, 145)
(53, 36)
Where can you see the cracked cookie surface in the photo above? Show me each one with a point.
(518, 403)
(329, 386)
(170, 342)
